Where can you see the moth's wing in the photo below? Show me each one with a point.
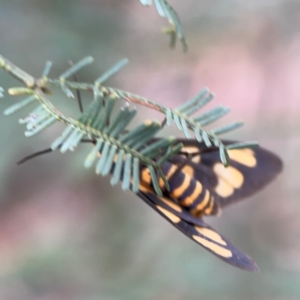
(197, 230)
(249, 170)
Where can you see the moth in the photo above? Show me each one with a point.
(198, 184)
(201, 186)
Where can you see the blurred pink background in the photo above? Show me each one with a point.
(65, 233)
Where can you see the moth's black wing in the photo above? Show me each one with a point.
(249, 170)
(197, 230)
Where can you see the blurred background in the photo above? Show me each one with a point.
(65, 233)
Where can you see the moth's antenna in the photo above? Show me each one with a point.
(45, 151)
(33, 155)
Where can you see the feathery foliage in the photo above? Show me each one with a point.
(121, 150)
(165, 10)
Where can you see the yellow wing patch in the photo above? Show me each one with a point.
(243, 156)
(213, 247)
(196, 159)
(168, 214)
(223, 189)
(192, 150)
(212, 235)
(228, 179)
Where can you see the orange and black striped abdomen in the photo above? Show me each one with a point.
(185, 190)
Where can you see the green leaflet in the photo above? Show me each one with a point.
(165, 10)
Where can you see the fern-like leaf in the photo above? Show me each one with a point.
(122, 151)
